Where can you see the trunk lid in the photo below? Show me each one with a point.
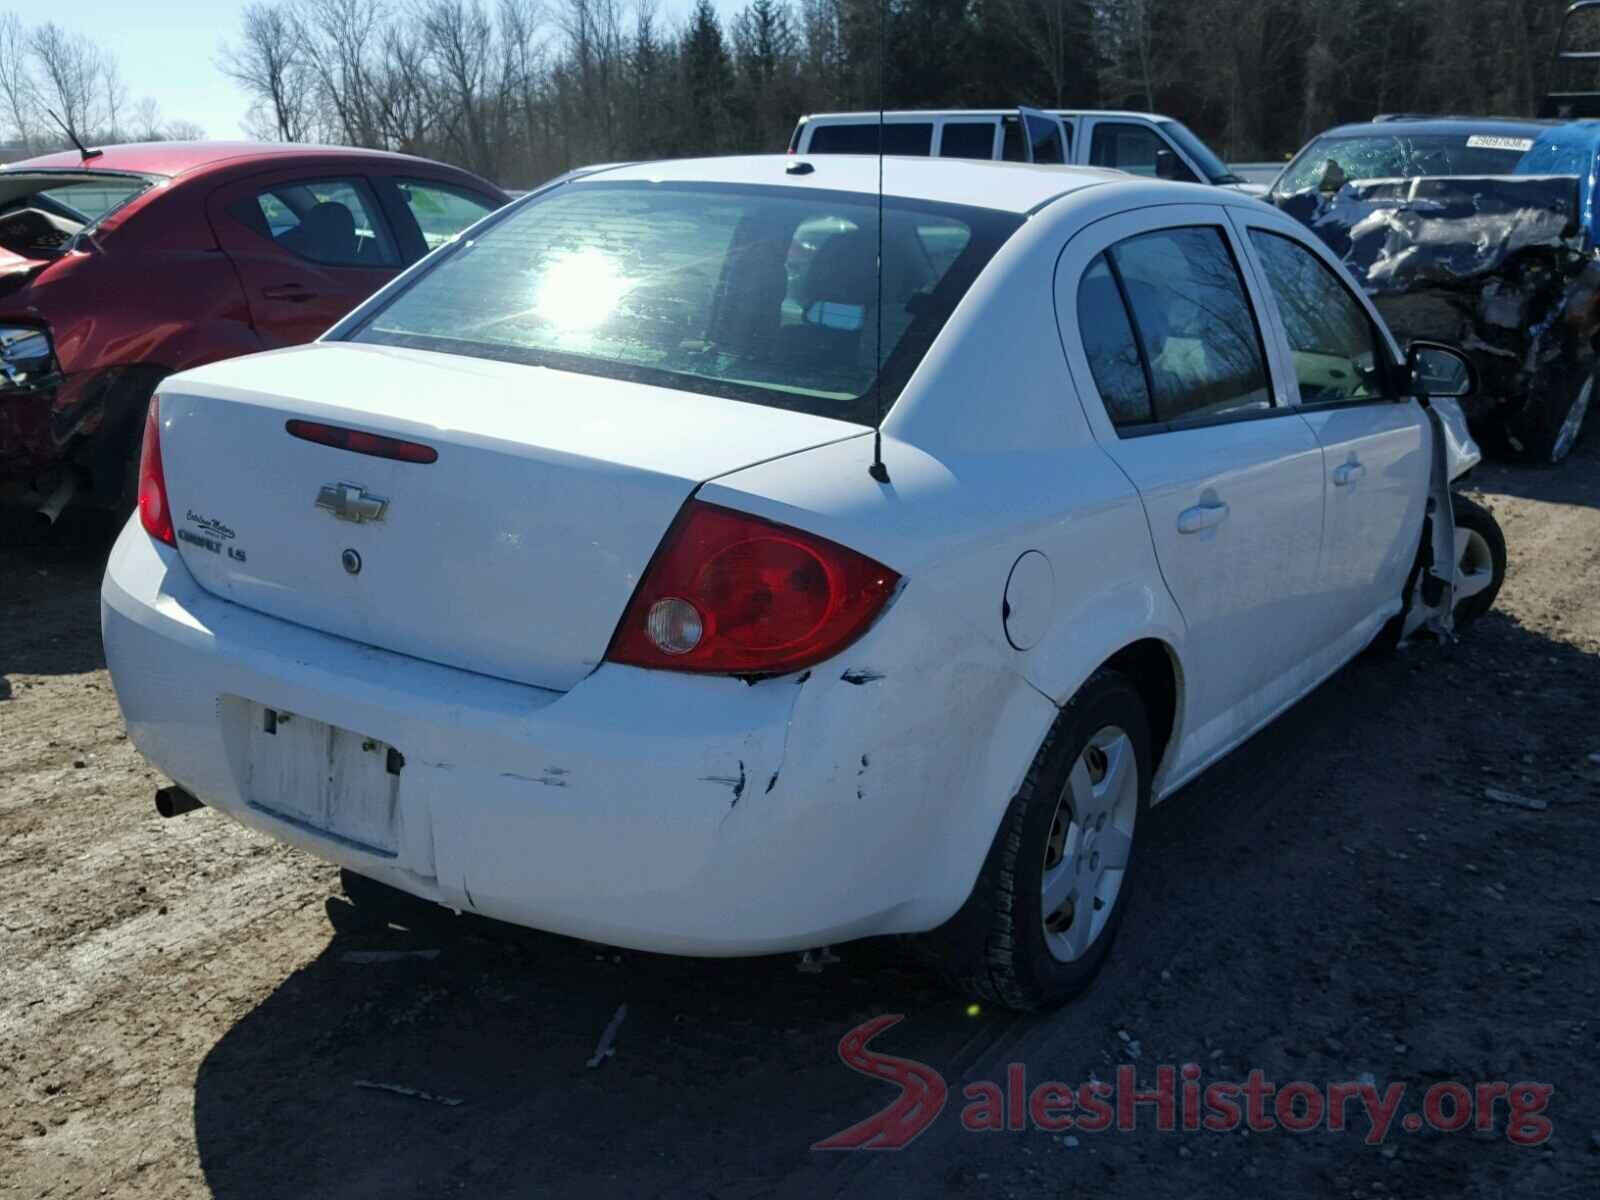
(514, 554)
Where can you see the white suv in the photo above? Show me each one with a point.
(567, 582)
(1139, 143)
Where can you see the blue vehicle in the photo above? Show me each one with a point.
(1478, 231)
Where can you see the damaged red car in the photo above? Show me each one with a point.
(121, 266)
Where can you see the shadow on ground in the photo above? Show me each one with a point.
(49, 600)
(1576, 480)
(1338, 897)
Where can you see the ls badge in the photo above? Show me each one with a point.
(351, 502)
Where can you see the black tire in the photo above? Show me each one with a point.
(1478, 520)
(995, 947)
(1544, 430)
(377, 903)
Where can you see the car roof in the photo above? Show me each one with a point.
(180, 158)
(929, 113)
(1002, 186)
(1404, 125)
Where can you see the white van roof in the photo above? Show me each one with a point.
(924, 114)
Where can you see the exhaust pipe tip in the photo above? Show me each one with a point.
(174, 801)
(56, 501)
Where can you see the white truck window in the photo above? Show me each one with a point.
(967, 139)
(899, 137)
(1133, 148)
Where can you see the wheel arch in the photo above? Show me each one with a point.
(1156, 672)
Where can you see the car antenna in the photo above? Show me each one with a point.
(878, 470)
(67, 129)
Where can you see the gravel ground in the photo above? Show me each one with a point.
(179, 1015)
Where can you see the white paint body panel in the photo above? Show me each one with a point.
(512, 555)
(708, 815)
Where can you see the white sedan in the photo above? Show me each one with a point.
(568, 581)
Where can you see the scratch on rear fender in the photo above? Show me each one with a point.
(756, 753)
(736, 782)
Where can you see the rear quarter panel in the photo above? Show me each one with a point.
(1003, 464)
(152, 291)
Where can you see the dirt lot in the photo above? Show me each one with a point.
(179, 1016)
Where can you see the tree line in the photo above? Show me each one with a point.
(519, 90)
(56, 85)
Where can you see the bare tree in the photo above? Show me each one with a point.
(71, 79)
(460, 43)
(270, 63)
(182, 131)
(144, 121)
(16, 79)
(340, 37)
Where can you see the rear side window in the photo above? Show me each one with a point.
(441, 212)
(967, 139)
(330, 221)
(1108, 339)
(763, 294)
(913, 138)
(1192, 333)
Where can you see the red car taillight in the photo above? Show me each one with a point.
(154, 514)
(732, 594)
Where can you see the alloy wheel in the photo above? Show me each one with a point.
(1091, 838)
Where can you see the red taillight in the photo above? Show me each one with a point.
(154, 513)
(733, 594)
(358, 442)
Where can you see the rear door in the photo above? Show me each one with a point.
(1375, 443)
(1173, 371)
(309, 245)
(1046, 139)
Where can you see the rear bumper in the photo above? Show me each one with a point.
(644, 809)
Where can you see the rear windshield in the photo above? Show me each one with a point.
(41, 213)
(1409, 156)
(762, 294)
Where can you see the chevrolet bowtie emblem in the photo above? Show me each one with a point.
(351, 502)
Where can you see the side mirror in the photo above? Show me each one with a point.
(1167, 165)
(1333, 178)
(1434, 369)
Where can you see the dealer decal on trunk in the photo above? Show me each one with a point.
(213, 534)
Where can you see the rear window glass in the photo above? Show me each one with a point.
(768, 295)
(330, 221)
(95, 199)
(899, 137)
(1191, 350)
(37, 220)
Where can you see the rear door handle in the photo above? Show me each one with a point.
(1202, 516)
(292, 292)
(1346, 475)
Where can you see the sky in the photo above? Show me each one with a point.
(168, 49)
